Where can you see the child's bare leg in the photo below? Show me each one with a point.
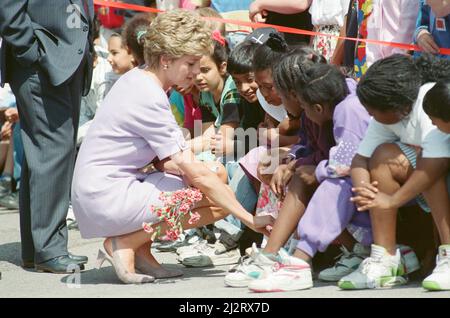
(390, 167)
(438, 200)
(293, 208)
(346, 239)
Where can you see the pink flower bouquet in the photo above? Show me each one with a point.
(176, 206)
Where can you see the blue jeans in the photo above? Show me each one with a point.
(243, 189)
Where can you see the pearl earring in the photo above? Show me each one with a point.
(166, 67)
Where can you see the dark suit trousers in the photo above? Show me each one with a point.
(49, 119)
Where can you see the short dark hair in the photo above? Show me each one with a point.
(270, 52)
(322, 84)
(390, 84)
(436, 102)
(285, 75)
(240, 60)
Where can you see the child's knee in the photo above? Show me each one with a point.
(384, 155)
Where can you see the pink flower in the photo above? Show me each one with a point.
(172, 235)
(147, 227)
(195, 216)
(174, 206)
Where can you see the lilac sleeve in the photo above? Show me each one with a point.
(341, 156)
(157, 125)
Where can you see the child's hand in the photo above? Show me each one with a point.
(264, 171)
(426, 42)
(380, 201)
(256, 13)
(364, 192)
(218, 145)
(307, 174)
(6, 130)
(12, 115)
(281, 177)
(263, 224)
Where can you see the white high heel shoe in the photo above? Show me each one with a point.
(122, 273)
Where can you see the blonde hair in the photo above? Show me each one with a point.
(176, 33)
(208, 12)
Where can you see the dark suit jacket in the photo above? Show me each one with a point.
(51, 34)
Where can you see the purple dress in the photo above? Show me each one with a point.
(330, 211)
(134, 125)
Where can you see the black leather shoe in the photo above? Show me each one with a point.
(59, 265)
(79, 258)
(28, 264)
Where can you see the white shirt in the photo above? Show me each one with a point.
(328, 12)
(278, 113)
(413, 130)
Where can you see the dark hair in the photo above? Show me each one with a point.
(133, 34)
(436, 102)
(270, 52)
(432, 68)
(220, 53)
(284, 72)
(96, 27)
(321, 84)
(240, 60)
(390, 84)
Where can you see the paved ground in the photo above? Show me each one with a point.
(196, 283)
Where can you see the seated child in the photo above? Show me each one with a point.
(399, 158)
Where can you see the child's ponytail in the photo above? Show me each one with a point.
(134, 35)
(270, 52)
(432, 68)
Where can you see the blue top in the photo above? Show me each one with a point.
(439, 29)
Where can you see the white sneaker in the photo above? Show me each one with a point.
(252, 266)
(440, 278)
(378, 270)
(209, 255)
(194, 249)
(290, 273)
(192, 243)
(348, 262)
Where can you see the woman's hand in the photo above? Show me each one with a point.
(262, 224)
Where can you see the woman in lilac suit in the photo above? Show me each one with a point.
(110, 197)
